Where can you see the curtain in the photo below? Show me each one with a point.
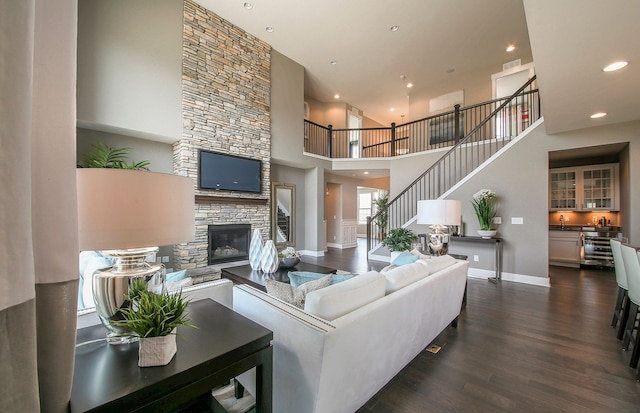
(38, 220)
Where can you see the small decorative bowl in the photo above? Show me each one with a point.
(289, 262)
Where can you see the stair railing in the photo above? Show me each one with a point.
(510, 118)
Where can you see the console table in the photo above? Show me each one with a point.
(498, 248)
(107, 377)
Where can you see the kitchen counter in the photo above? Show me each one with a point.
(584, 228)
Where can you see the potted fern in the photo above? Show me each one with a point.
(398, 240)
(154, 318)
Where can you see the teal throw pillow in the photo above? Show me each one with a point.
(405, 258)
(176, 276)
(300, 277)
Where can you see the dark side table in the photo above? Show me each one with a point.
(225, 344)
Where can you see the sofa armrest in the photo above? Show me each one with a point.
(218, 290)
(298, 348)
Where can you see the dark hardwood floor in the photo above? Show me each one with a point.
(517, 348)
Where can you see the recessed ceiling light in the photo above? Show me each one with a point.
(366, 172)
(248, 6)
(409, 85)
(269, 29)
(334, 62)
(392, 109)
(394, 28)
(615, 66)
(336, 96)
(598, 115)
(511, 48)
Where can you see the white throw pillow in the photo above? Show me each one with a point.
(436, 264)
(339, 299)
(400, 277)
(292, 295)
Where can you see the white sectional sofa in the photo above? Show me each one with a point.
(371, 327)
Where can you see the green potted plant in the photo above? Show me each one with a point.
(484, 204)
(103, 156)
(154, 318)
(398, 240)
(383, 215)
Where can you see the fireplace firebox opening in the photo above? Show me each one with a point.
(229, 242)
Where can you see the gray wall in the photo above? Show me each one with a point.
(160, 155)
(520, 179)
(130, 65)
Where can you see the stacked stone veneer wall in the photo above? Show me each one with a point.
(226, 76)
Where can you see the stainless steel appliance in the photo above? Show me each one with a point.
(595, 246)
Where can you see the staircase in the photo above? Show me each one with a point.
(504, 123)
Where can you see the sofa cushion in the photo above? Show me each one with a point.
(292, 295)
(436, 264)
(400, 277)
(298, 278)
(339, 299)
(405, 258)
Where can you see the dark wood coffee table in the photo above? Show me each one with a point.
(243, 274)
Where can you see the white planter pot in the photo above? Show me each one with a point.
(394, 255)
(487, 234)
(157, 351)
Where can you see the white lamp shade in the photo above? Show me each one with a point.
(125, 209)
(439, 211)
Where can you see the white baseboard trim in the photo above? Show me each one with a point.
(507, 276)
(312, 253)
(342, 246)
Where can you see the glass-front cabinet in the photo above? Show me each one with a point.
(563, 189)
(584, 188)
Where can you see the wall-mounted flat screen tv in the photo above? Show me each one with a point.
(222, 172)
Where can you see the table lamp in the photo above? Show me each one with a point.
(127, 214)
(439, 214)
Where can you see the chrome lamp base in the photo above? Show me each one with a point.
(111, 288)
(438, 243)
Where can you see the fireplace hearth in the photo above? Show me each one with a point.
(228, 243)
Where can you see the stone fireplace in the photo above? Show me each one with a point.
(228, 243)
(226, 76)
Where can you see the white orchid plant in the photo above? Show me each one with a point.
(484, 203)
(289, 252)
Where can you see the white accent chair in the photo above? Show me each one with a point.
(621, 310)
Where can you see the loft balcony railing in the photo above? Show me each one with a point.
(496, 124)
(434, 132)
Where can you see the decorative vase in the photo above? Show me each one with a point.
(255, 250)
(157, 351)
(487, 233)
(289, 262)
(269, 258)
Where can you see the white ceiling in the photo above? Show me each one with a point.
(571, 40)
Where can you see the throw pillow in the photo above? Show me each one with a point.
(299, 278)
(176, 276)
(405, 258)
(292, 295)
(95, 264)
